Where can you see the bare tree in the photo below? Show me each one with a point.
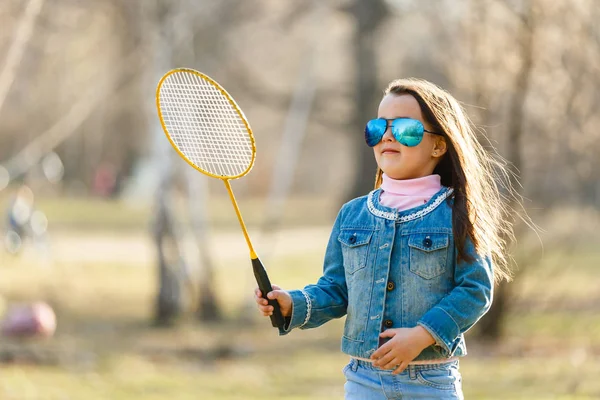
(369, 15)
(492, 323)
(169, 301)
(171, 264)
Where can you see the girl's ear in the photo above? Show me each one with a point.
(439, 147)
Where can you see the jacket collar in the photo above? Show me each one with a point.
(379, 210)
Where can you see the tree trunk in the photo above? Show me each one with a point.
(369, 15)
(491, 324)
(169, 304)
(207, 308)
(169, 300)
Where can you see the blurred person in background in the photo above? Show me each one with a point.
(24, 222)
(108, 180)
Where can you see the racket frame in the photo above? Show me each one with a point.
(229, 99)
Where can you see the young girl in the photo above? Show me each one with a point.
(413, 263)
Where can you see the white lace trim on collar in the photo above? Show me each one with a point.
(393, 215)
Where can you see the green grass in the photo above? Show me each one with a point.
(533, 377)
(106, 348)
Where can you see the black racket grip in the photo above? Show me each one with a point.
(265, 287)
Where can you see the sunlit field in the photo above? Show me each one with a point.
(102, 286)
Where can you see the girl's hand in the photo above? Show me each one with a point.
(282, 297)
(403, 347)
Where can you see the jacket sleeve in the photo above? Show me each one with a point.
(328, 298)
(470, 299)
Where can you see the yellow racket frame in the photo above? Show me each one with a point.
(225, 179)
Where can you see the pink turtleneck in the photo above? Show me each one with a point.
(408, 193)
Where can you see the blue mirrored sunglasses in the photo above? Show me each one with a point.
(406, 131)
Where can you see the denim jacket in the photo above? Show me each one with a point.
(396, 269)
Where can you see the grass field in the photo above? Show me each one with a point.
(106, 348)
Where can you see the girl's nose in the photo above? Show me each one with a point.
(388, 136)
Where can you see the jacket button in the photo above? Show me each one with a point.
(388, 323)
(427, 242)
(352, 239)
(391, 285)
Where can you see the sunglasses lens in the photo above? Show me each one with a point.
(374, 131)
(408, 132)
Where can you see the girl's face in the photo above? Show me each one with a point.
(399, 161)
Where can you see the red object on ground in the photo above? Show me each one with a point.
(29, 320)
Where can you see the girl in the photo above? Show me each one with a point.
(413, 263)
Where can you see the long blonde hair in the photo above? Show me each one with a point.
(479, 177)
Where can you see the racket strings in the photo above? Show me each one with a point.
(204, 125)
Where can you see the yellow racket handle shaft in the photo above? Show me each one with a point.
(239, 215)
(277, 319)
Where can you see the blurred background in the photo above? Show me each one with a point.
(123, 272)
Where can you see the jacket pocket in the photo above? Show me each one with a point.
(355, 247)
(428, 254)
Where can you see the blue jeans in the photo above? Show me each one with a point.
(435, 381)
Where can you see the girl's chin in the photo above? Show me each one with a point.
(393, 173)
(397, 175)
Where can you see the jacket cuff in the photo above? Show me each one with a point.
(443, 328)
(301, 310)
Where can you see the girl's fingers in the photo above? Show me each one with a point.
(386, 361)
(382, 351)
(258, 297)
(263, 304)
(400, 368)
(392, 364)
(267, 311)
(260, 301)
(258, 293)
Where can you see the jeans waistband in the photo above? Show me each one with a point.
(420, 362)
(356, 362)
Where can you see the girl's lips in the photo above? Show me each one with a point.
(390, 151)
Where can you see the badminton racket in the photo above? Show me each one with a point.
(210, 132)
